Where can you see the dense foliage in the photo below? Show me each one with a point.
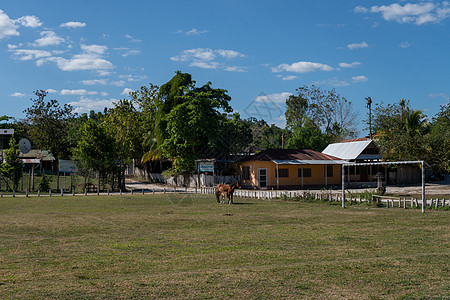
(181, 122)
(12, 167)
(406, 134)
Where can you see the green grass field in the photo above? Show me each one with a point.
(190, 247)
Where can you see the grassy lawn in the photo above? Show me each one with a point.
(190, 247)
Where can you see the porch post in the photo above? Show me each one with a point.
(302, 176)
(424, 201)
(278, 179)
(343, 185)
(326, 171)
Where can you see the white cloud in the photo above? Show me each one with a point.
(29, 54)
(51, 91)
(7, 26)
(302, 67)
(131, 38)
(273, 98)
(73, 24)
(194, 31)
(404, 45)
(79, 92)
(292, 77)
(403, 14)
(333, 82)
(416, 13)
(126, 91)
(360, 9)
(104, 94)
(103, 73)
(90, 59)
(133, 77)
(337, 82)
(29, 21)
(94, 49)
(357, 46)
(204, 64)
(235, 69)
(360, 78)
(49, 38)
(118, 83)
(82, 62)
(349, 65)
(440, 95)
(131, 52)
(124, 50)
(94, 82)
(205, 58)
(17, 94)
(85, 105)
(229, 54)
(201, 54)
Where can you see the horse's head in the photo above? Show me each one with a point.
(237, 184)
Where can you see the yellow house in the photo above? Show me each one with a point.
(289, 169)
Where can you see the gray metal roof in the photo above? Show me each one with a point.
(309, 162)
(348, 150)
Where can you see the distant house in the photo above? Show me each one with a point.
(43, 158)
(357, 151)
(288, 169)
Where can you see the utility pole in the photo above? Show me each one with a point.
(369, 106)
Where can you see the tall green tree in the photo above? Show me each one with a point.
(48, 124)
(12, 168)
(146, 100)
(401, 132)
(439, 141)
(308, 136)
(96, 150)
(232, 139)
(169, 96)
(188, 118)
(264, 136)
(329, 111)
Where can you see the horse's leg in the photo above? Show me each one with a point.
(217, 196)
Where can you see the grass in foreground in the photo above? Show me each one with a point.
(178, 246)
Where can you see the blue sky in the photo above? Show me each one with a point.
(92, 53)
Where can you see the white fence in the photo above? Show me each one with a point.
(200, 180)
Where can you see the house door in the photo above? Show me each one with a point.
(262, 177)
(363, 174)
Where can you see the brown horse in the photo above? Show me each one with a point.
(226, 190)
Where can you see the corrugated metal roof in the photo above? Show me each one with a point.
(348, 150)
(289, 154)
(310, 162)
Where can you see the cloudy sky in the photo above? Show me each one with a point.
(92, 53)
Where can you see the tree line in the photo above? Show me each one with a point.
(182, 122)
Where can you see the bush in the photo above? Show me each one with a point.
(44, 186)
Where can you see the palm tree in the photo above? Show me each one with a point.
(415, 123)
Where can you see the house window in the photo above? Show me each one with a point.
(246, 173)
(282, 173)
(329, 171)
(306, 172)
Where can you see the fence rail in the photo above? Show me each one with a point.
(388, 201)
